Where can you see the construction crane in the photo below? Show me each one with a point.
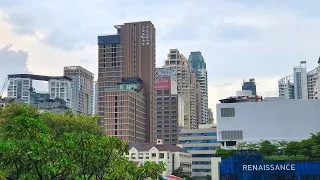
(4, 87)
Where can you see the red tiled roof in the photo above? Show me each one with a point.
(174, 177)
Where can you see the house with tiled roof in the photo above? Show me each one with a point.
(173, 156)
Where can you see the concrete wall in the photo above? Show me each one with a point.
(272, 120)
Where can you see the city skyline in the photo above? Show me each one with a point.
(243, 40)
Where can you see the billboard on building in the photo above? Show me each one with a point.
(163, 83)
(160, 72)
(255, 166)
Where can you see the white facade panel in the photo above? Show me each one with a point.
(291, 120)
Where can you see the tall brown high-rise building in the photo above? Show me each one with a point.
(126, 82)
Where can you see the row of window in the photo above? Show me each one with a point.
(166, 130)
(198, 141)
(173, 126)
(201, 162)
(166, 102)
(203, 155)
(166, 112)
(165, 98)
(198, 134)
(199, 148)
(167, 122)
(163, 92)
(201, 170)
(166, 117)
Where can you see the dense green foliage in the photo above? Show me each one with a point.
(52, 146)
(303, 150)
(180, 173)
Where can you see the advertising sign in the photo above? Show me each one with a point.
(145, 36)
(163, 83)
(164, 72)
(269, 167)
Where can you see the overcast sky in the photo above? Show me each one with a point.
(239, 39)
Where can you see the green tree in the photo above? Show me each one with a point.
(51, 146)
(182, 174)
(267, 148)
(292, 148)
(223, 153)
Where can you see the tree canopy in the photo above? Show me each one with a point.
(294, 150)
(182, 174)
(47, 146)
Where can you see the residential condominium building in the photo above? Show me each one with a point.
(95, 97)
(82, 89)
(20, 86)
(126, 92)
(198, 66)
(316, 93)
(299, 85)
(199, 103)
(169, 109)
(175, 60)
(173, 156)
(202, 144)
(194, 110)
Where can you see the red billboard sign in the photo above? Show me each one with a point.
(163, 83)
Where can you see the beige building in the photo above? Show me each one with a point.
(82, 89)
(126, 95)
(180, 64)
(173, 156)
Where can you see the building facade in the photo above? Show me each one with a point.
(199, 106)
(316, 93)
(284, 120)
(312, 80)
(20, 87)
(127, 59)
(82, 89)
(250, 84)
(95, 97)
(286, 87)
(202, 144)
(300, 81)
(194, 110)
(198, 66)
(211, 118)
(173, 156)
(301, 84)
(177, 61)
(169, 107)
(61, 88)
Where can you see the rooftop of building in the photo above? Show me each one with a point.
(196, 52)
(159, 146)
(38, 77)
(78, 68)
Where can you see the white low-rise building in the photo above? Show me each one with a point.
(173, 156)
(202, 144)
(290, 120)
